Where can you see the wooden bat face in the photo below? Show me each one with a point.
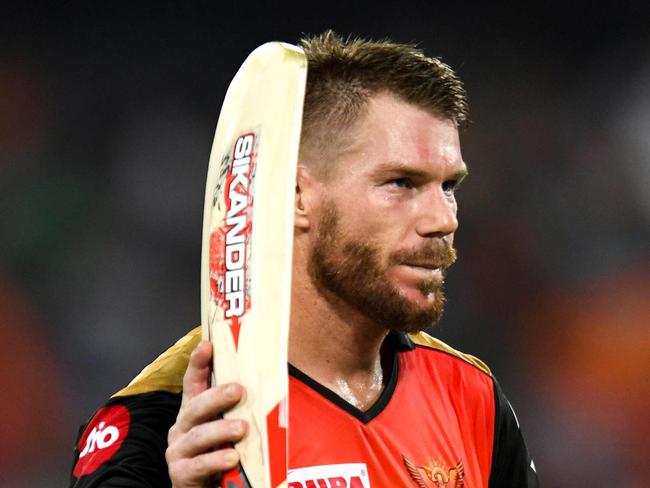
(247, 247)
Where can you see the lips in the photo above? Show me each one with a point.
(430, 266)
(426, 270)
(427, 262)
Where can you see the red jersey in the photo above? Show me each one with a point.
(441, 421)
(434, 422)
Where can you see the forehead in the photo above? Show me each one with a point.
(393, 131)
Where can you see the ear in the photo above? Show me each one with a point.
(307, 198)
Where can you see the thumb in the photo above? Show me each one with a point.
(197, 375)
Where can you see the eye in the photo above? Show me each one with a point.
(450, 186)
(401, 183)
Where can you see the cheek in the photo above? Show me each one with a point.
(380, 232)
(375, 218)
(368, 218)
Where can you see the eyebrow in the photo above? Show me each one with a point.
(408, 170)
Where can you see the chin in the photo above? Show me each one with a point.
(419, 309)
(419, 299)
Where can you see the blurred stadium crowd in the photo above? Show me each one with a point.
(106, 121)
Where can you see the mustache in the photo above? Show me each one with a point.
(439, 256)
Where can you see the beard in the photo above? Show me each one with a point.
(351, 271)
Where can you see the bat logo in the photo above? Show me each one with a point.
(230, 242)
(436, 474)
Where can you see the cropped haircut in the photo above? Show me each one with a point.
(343, 74)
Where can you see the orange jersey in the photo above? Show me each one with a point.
(432, 426)
(441, 421)
(435, 414)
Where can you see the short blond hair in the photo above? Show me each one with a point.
(344, 73)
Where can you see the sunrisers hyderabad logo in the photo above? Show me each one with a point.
(435, 474)
(229, 243)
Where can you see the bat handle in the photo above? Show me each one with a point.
(235, 478)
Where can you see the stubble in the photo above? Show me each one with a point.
(351, 271)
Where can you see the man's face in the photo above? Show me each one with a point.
(388, 215)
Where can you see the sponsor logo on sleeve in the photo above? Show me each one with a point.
(354, 475)
(102, 438)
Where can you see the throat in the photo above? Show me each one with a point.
(362, 393)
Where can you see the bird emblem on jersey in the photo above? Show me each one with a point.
(436, 474)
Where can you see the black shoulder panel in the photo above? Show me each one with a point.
(123, 444)
(512, 465)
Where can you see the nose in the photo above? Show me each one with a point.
(437, 214)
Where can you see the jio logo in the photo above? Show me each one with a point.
(102, 438)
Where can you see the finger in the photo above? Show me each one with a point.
(205, 437)
(206, 406)
(198, 468)
(197, 375)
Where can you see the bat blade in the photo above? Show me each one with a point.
(247, 247)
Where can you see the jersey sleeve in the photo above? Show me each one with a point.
(512, 464)
(124, 443)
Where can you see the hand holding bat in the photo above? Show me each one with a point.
(199, 428)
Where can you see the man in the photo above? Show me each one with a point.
(374, 401)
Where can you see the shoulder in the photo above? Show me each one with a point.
(166, 372)
(425, 341)
(511, 464)
(464, 378)
(125, 440)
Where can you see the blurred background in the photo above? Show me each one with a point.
(107, 113)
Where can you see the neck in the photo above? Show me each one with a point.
(324, 342)
(335, 345)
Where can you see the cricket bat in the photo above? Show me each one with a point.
(246, 251)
